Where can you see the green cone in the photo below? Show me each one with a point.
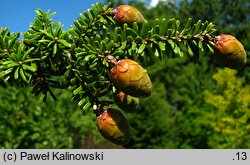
(129, 77)
(127, 14)
(113, 126)
(126, 102)
(229, 52)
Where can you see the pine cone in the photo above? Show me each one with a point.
(132, 79)
(229, 52)
(126, 102)
(113, 126)
(127, 14)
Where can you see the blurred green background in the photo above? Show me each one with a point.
(195, 103)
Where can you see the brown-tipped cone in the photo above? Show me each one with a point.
(113, 126)
(126, 102)
(127, 14)
(229, 52)
(129, 77)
